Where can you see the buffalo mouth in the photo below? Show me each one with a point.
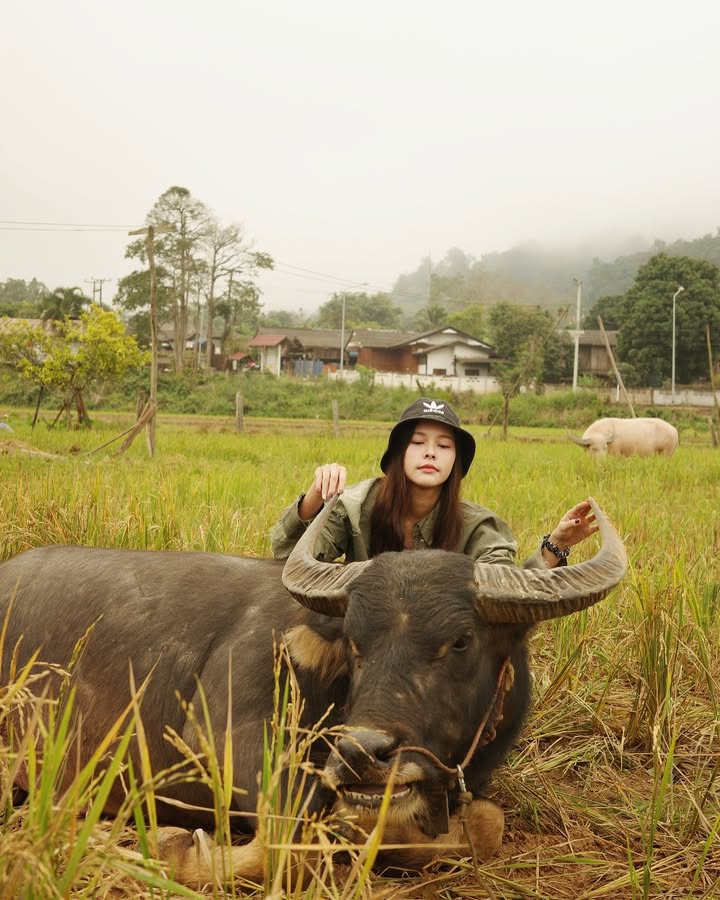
(370, 796)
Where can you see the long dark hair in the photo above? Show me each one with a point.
(387, 519)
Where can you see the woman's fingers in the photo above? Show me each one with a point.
(330, 479)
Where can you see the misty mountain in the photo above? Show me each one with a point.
(530, 273)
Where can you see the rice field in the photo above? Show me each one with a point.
(613, 789)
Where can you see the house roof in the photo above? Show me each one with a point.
(458, 341)
(266, 340)
(594, 338)
(377, 338)
(454, 335)
(307, 337)
(8, 323)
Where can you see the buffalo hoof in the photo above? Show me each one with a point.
(480, 837)
(194, 859)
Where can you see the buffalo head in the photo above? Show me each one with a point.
(431, 641)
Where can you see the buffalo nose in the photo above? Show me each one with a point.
(362, 746)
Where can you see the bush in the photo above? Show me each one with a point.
(268, 396)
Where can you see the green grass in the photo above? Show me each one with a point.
(614, 788)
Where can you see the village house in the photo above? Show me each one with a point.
(310, 351)
(593, 357)
(296, 351)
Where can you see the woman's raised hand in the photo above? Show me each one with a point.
(577, 524)
(329, 480)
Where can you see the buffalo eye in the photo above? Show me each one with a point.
(461, 644)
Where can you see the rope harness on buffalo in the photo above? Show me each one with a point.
(485, 734)
(505, 679)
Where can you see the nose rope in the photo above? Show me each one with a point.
(505, 679)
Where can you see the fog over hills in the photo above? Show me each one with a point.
(537, 273)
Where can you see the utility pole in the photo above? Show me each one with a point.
(150, 231)
(342, 334)
(576, 359)
(429, 281)
(672, 379)
(97, 284)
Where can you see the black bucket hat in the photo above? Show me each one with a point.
(435, 411)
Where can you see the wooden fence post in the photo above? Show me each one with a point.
(239, 412)
(336, 418)
(714, 420)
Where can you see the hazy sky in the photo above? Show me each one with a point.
(351, 140)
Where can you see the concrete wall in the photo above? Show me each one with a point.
(480, 384)
(483, 384)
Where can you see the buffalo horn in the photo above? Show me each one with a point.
(584, 442)
(509, 595)
(321, 586)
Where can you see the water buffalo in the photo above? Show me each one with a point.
(629, 437)
(422, 655)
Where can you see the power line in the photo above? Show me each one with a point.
(10, 225)
(281, 267)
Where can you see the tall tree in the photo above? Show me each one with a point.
(199, 261)
(239, 309)
(610, 309)
(362, 310)
(21, 299)
(185, 222)
(529, 349)
(471, 320)
(133, 295)
(229, 259)
(645, 337)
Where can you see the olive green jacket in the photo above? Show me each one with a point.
(484, 537)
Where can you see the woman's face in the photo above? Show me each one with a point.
(430, 455)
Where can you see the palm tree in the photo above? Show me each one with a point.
(63, 302)
(434, 315)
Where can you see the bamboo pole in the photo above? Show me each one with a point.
(615, 368)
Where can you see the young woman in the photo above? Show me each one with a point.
(417, 504)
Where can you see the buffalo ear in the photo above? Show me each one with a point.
(321, 650)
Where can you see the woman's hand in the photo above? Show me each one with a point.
(577, 524)
(329, 480)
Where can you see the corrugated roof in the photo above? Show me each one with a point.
(266, 340)
(9, 323)
(593, 338)
(378, 338)
(308, 337)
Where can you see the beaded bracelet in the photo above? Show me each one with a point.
(553, 548)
